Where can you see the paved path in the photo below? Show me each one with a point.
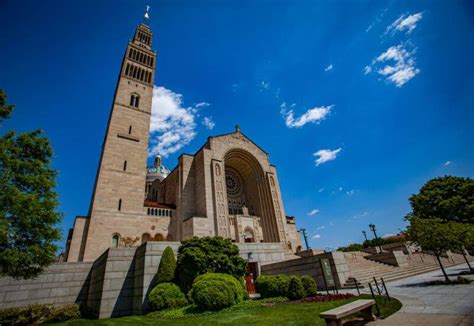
(442, 305)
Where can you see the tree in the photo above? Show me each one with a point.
(464, 234)
(197, 256)
(448, 198)
(434, 235)
(167, 267)
(28, 202)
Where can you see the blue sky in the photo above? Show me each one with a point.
(382, 91)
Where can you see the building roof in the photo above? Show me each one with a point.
(149, 203)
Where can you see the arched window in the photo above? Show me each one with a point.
(145, 237)
(115, 240)
(159, 237)
(134, 101)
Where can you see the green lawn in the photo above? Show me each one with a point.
(243, 314)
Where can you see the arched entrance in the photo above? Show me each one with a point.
(246, 187)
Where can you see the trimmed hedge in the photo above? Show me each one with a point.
(309, 285)
(167, 266)
(270, 286)
(295, 288)
(165, 296)
(214, 291)
(38, 313)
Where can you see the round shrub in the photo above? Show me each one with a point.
(167, 266)
(295, 288)
(166, 295)
(214, 291)
(270, 286)
(64, 313)
(309, 285)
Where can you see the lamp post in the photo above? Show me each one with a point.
(365, 235)
(303, 231)
(372, 228)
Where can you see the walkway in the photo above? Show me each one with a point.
(441, 305)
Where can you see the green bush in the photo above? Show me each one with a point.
(295, 288)
(309, 285)
(64, 313)
(198, 256)
(270, 286)
(214, 291)
(167, 266)
(166, 295)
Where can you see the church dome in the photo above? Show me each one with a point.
(157, 170)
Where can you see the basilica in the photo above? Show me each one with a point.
(228, 188)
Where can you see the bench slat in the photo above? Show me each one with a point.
(347, 309)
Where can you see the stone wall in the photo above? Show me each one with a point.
(116, 284)
(312, 266)
(394, 258)
(61, 283)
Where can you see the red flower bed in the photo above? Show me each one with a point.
(329, 297)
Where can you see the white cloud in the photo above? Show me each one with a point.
(447, 163)
(350, 192)
(172, 125)
(403, 68)
(313, 115)
(328, 68)
(325, 155)
(264, 86)
(331, 223)
(235, 87)
(321, 190)
(405, 23)
(386, 235)
(361, 215)
(321, 227)
(316, 236)
(208, 122)
(340, 188)
(313, 212)
(202, 105)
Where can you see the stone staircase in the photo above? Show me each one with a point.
(364, 270)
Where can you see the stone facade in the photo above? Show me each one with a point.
(228, 188)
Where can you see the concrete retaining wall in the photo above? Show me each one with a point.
(61, 283)
(312, 266)
(394, 258)
(116, 284)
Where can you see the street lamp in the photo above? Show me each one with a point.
(303, 231)
(365, 235)
(372, 228)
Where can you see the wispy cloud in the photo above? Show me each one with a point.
(402, 68)
(447, 163)
(359, 216)
(405, 23)
(350, 192)
(314, 115)
(235, 87)
(377, 20)
(386, 235)
(172, 125)
(326, 155)
(316, 236)
(313, 212)
(328, 68)
(321, 190)
(321, 227)
(264, 86)
(208, 122)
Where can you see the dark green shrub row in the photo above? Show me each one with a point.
(293, 287)
(214, 291)
(165, 296)
(38, 313)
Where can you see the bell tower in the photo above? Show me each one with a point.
(117, 199)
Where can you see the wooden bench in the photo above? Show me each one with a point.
(334, 316)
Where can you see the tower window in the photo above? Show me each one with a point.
(115, 240)
(135, 102)
(130, 130)
(125, 165)
(120, 205)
